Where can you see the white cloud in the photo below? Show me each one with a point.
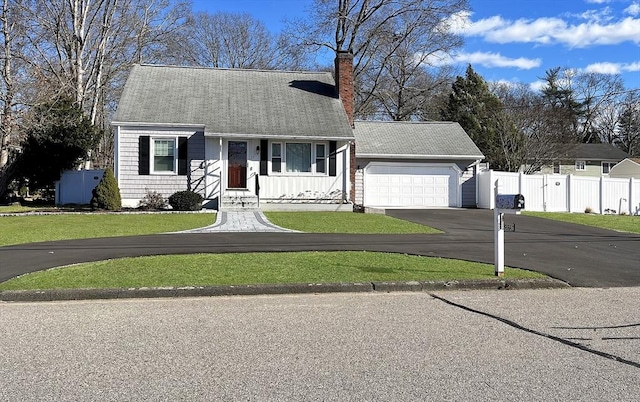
(633, 9)
(612, 68)
(538, 85)
(599, 1)
(603, 68)
(488, 60)
(552, 30)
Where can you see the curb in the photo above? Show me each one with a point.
(273, 289)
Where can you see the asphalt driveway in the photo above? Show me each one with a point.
(579, 255)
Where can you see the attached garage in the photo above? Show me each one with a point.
(411, 185)
(414, 165)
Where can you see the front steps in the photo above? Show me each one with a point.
(239, 202)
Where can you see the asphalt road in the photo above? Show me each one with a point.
(540, 345)
(579, 255)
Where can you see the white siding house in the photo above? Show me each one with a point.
(232, 136)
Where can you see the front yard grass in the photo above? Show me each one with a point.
(17, 208)
(623, 223)
(37, 228)
(257, 268)
(345, 222)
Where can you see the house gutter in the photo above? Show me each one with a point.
(158, 125)
(408, 156)
(281, 137)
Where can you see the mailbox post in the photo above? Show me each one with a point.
(504, 204)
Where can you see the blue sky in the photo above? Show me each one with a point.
(514, 40)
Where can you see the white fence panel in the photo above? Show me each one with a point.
(634, 197)
(585, 194)
(484, 197)
(76, 186)
(615, 195)
(533, 187)
(558, 193)
(555, 193)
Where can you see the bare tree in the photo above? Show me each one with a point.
(12, 89)
(628, 128)
(8, 90)
(84, 48)
(599, 94)
(392, 42)
(230, 41)
(542, 127)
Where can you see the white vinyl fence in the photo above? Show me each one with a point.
(76, 186)
(558, 193)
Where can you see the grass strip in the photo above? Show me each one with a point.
(37, 228)
(345, 222)
(257, 268)
(623, 223)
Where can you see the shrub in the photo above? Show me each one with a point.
(153, 200)
(186, 201)
(106, 195)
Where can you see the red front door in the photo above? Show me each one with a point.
(237, 171)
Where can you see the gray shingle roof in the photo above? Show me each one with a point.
(595, 152)
(227, 101)
(438, 140)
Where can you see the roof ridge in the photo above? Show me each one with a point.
(229, 69)
(406, 122)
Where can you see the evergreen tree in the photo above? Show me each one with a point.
(59, 137)
(106, 195)
(481, 114)
(563, 109)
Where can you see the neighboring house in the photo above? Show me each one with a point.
(226, 133)
(415, 164)
(586, 160)
(628, 168)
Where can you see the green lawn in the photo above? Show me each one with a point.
(37, 228)
(624, 223)
(257, 268)
(344, 222)
(12, 209)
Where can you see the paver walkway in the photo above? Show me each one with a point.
(240, 221)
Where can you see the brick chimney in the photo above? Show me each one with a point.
(344, 82)
(346, 92)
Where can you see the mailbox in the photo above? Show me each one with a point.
(510, 201)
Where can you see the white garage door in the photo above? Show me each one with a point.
(398, 185)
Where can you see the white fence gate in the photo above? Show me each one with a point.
(76, 186)
(559, 193)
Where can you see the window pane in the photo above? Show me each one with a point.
(163, 155)
(163, 148)
(298, 157)
(276, 150)
(320, 159)
(276, 165)
(163, 164)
